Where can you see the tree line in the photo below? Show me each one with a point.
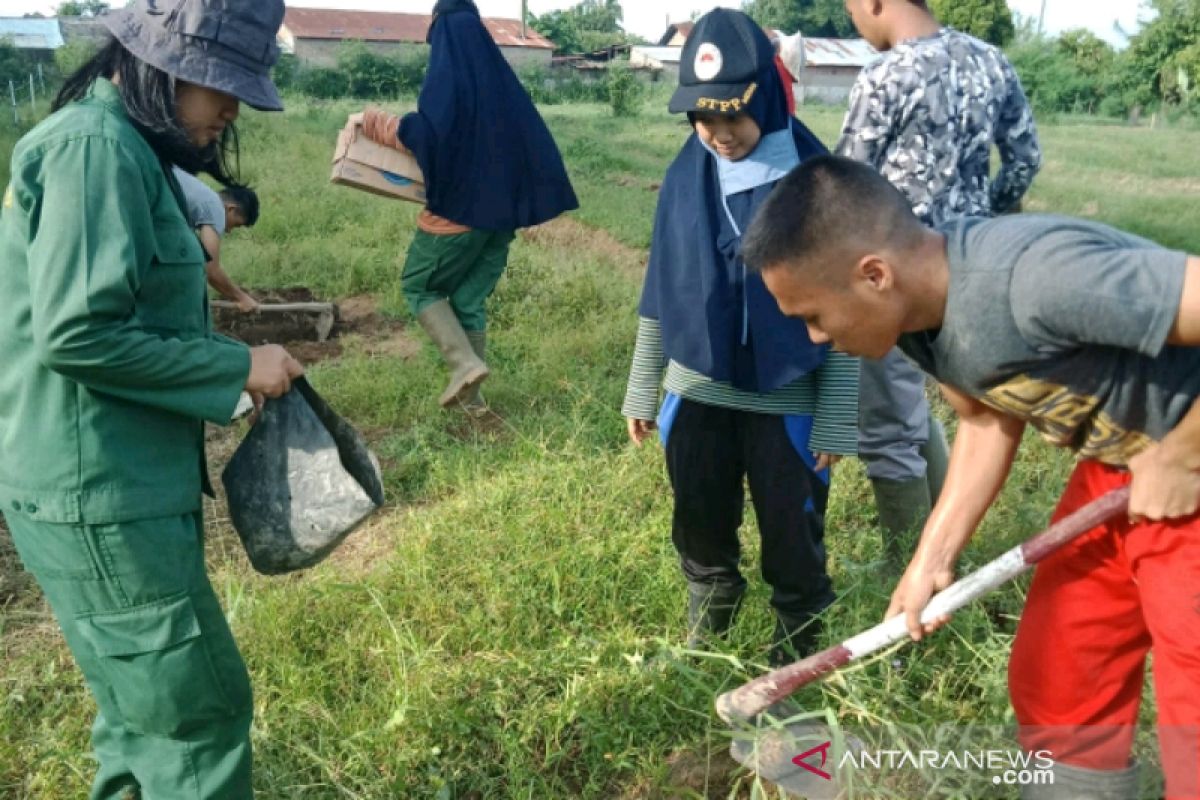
(1075, 71)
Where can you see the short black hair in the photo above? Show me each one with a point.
(246, 200)
(828, 206)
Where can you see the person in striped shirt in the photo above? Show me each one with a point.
(749, 397)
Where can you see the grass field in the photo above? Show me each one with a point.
(506, 627)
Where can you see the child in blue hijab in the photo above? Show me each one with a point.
(490, 167)
(748, 395)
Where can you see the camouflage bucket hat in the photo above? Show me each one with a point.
(227, 45)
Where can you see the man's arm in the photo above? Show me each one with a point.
(1166, 476)
(1186, 330)
(216, 275)
(1020, 152)
(983, 452)
(868, 128)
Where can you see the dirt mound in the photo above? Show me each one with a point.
(297, 331)
(270, 327)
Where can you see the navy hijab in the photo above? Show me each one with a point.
(489, 161)
(716, 317)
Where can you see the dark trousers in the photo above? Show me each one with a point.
(711, 452)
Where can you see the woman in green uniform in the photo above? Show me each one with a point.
(110, 369)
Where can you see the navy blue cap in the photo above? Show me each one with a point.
(721, 62)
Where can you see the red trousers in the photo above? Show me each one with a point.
(1095, 609)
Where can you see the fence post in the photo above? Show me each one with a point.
(41, 79)
(12, 93)
(32, 97)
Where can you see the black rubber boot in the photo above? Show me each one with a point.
(795, 638)
(711, 611)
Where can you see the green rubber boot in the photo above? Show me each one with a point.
(472, 401)
(903, 507)
(467, 370)
(711, 611)
(936, 453)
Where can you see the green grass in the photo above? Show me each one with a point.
(505, 628)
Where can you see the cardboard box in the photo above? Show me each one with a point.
(362, 164)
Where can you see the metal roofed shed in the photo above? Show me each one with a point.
(664, 61)
(314, 35)
(31, 33)
(825, 69)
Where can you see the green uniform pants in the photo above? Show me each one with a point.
(463, 268)
(145, 627)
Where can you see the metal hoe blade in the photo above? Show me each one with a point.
(773, 752)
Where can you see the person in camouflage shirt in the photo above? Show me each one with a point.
(926, 115)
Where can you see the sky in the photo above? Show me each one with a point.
(648, 18)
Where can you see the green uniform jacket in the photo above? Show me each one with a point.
(108, 361)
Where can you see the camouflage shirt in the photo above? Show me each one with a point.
(926, 115)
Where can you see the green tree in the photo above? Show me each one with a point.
(1090, 54)
(86, 8)
(599, 15)
(990, 20)
(1162, 60)
(1072, 73)
(819, 18)
(624, 90)
(14, 66)
(589, 25)
(73, 55)
(559, 28)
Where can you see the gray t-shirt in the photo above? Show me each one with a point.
(1064, 323)
(203, 204)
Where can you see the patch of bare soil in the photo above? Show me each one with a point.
(566, 233)
(632, 180)
(16, 585)
(356, 317)
(708, 772)
(489, 427)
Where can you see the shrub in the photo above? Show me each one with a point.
(323, 83)
(624, 90)
(548, 89)
(286, 72)
(372, 75)
(73, 55)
